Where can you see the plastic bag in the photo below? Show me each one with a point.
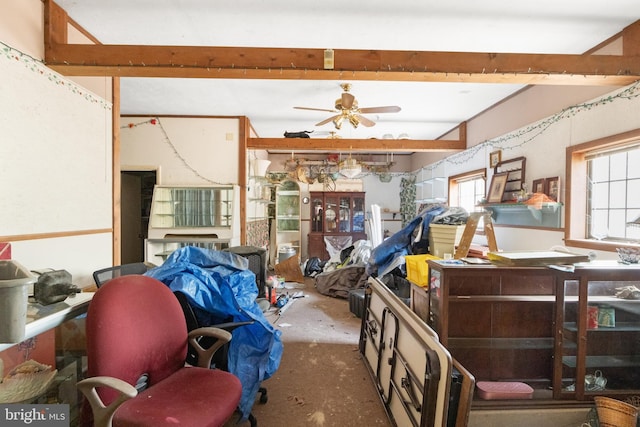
(313, 267)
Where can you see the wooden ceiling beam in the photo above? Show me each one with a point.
(355, 145)
(308, 64)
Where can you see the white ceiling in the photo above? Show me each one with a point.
(428, 109)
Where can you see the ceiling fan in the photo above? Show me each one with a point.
(347, 108)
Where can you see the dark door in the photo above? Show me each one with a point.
(136, 190)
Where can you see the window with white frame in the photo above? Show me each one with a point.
(603, 192)
(467, 189)
(614, 193)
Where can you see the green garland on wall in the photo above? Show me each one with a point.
(531, 132)
(39, 68)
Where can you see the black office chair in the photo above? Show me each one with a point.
(257, 264)
(105, 274)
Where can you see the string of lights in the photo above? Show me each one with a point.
(165, 137)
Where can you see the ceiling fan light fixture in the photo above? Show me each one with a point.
(346, 108)
(337, 122)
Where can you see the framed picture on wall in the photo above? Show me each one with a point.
(494, 158)
(553, 188)
(539, 186)
(498, 183)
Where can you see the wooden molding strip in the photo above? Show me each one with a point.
(38, 236)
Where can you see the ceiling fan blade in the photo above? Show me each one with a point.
(347, 100)
(387, 109)
(315, 109)
(330, 119)
(364, 121)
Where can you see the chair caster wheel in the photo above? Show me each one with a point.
(264, 398)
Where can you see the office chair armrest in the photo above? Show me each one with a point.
(206, 354)
(103, 415)
(230, 326)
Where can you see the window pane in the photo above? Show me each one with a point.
(633, 194)
(633, 231)
(617, 194)
(618, 166)
(613, 190)
(617, 224)
(480, 190)
(600, 169)
(634, 159)
(600, 196)
(599, 224)
(470, 193)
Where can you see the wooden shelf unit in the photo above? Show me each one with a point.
(515, 169)
(493, 318)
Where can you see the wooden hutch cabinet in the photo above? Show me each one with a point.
(549, 328)
(338, 217)
(496, 321)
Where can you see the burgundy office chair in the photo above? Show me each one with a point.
(136, 348)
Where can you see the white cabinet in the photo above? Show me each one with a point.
(259, 198)
(192, 215)
(432, 185)
(287, 217)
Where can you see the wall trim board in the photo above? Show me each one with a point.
(39, 236)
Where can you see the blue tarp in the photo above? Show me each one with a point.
(221, 284)
(390, 253)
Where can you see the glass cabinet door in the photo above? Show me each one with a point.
(344, 219)
(612, 360)
(288, 207)
(331, 209)
(570, 335)
(317, 217)
(600, 341)
(358, 214)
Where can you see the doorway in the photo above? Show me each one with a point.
(136, 192)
